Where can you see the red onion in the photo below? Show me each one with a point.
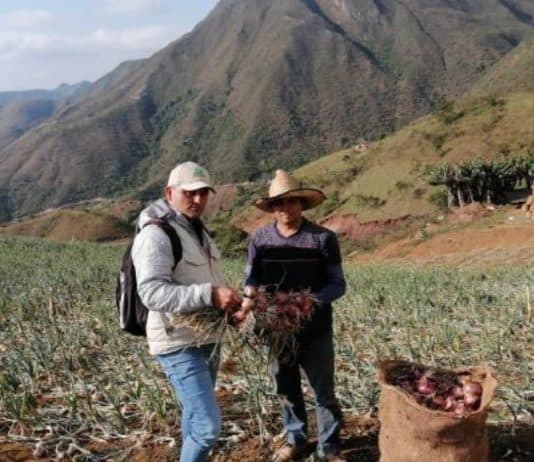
(472, 401)
(458, 392)
(306, 307)
(247, 304)
(239, 316)
(281, 297)
(459, 408)
(472, 388)
(250, 291)
(450, 404)
(292, 311)
(439, 390)
(426, 386)
(438, 401)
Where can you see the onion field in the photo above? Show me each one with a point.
(74, 387)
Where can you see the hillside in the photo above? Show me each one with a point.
(22, 110)
(512, 74)
(381, 195)
(67, 225)
(494, 119)
(389, 180)
(258, 85)
(17, 117)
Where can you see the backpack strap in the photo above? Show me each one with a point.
(171, 234)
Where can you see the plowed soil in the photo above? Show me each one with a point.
(359, 444)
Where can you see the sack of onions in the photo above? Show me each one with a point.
(267, 312)
(431, 413)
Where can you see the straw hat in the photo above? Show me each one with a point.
(284, 185)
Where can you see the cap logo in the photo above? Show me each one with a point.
(200, 172)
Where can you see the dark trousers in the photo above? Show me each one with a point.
(316, 358)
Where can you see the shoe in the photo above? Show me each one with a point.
(288, 453)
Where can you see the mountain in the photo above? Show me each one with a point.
(492, 121)
(22, 110)
(17, 117)
(257, 85)
(512, 74)
(61, 92)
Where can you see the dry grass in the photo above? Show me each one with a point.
(66, 225)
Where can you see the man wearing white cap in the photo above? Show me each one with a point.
(295, 254)
(170, 289)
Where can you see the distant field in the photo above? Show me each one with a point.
(70, 380)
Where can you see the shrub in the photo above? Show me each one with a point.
(230, 240)
(403, 185)
(439, 199)
(369, 201)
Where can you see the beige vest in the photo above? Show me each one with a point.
(169, 332)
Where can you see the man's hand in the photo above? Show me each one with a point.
(225, 298)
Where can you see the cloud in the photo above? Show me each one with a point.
(13, 43)
(17, 44)
(39, 49)
(133, 7)
(33, 60)
(28, 19)
(140, 37)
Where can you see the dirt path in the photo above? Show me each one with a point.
(498, 244)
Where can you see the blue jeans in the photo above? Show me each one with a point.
(316, 357)
(192, 372)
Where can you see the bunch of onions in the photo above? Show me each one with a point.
(440, 390)
(272, 312)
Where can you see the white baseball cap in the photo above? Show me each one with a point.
(189, 176)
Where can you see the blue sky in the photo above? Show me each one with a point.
(49, 42)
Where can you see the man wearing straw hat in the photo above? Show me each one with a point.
(295, 254)
(171, 289)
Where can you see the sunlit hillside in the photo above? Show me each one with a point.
(390, 179)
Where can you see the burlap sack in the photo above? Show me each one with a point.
(410, 432)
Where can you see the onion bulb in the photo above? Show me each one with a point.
(472, 388)
(458, 392)
(281, 297)
(247, 304)
(250, 291)
(460, 408)
(471, 400)
(450, 404)
(240, 316)
(438, 401)
(425, 386)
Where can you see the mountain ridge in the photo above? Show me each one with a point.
(258, 85)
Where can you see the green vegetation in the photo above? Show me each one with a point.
(439, 199)
(484, 181)
(448, 115)
(65, 363)
(173, 112)
(232, 241)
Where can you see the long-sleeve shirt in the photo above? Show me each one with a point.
(309, 259)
